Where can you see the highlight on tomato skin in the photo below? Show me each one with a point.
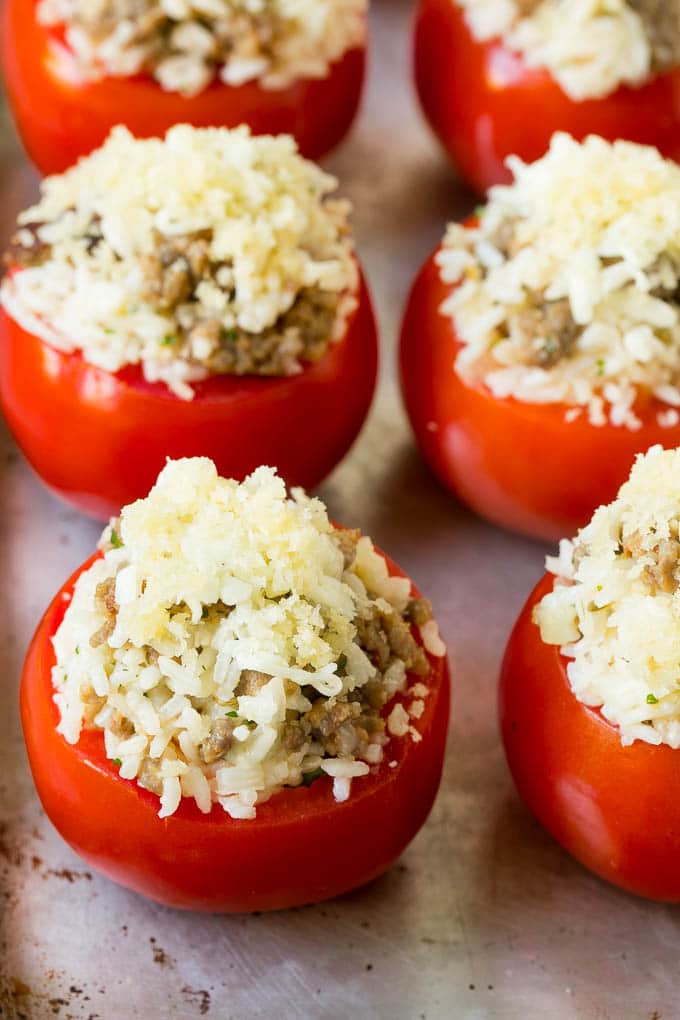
(61, 117)
(613, 808)
(481, 99)
(98, 439)
(305, 843)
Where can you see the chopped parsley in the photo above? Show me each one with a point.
(115, 539)
(117, 761)
(652, 700)
(168, 340)
(229, 335)
(311, 777)
(600, 366)
(232, 715)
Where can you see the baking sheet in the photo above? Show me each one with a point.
(483, 916)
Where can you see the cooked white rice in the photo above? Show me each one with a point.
(302, 39)
(272, 226)
(171, 657)
(590, 47)
(596, 227)
(615, 606)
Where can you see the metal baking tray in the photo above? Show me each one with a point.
(483, 916)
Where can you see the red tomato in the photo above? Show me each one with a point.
(303, 846)
(484, 103)
(615, 808)
(60, 117)
(99, 439)
(520, 465)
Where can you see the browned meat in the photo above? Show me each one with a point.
(346, 540)
(218, 741)
(372, 638)
(549, 328)
(105, 603)
(419, 611)
(527, 7)
(120, 726)
(245, 35)
(661, 574)
(150, 776)
(26, 248)
(661, 19)
(250, 682)
(295, 735)
(404, 645)
(338, 726)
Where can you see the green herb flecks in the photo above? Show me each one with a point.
(652, 699)
(117, 761)
(115, 539)
(311, 777)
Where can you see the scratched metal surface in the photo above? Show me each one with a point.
(484, 916)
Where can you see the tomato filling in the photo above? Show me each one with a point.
(186, 46)
(288, 654)
(229, 258)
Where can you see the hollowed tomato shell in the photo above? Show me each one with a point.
(303, 846)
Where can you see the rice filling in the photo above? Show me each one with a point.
(230, 642)
(208, 252)
(591, 47)
(186, 44)
(567, 289)
(615, 604)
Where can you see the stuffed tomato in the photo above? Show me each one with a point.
(540, 347)
(498, 78)
(197, 295)
(589, 698)
(235, 706)
(75, 70)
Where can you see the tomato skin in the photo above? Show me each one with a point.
(61, 118)
(520, 465)
(484, 104)
(302, 846)
(615, 808)
(99, 439)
